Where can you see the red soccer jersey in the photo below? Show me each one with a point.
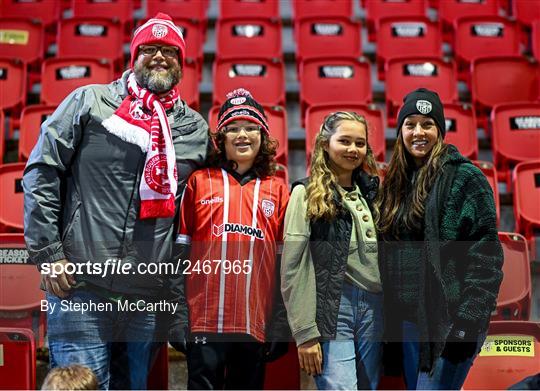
(234, 231)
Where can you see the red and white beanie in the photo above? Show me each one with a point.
(158, 30)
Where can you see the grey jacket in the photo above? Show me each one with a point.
(81, 189)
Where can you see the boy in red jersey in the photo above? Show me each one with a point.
(231, 223)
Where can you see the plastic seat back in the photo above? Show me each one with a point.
(110, 9)
(315, 117)
(488, 169)
(484, 36)
(61, 76)
(451, 10)
(248, 37)
(378, 9)
(400, 36)
(514, 300)
(515, 134)
(11, 197)
(497, 80)
(461, 129)
(404, 75)
(249, 9)
(189, 85)
(326, 36)
(341, 80)
(31, 119)
(264, 78)
(510, 353)
(322, 8)
(22, 39)
(18, 352)
(90, 37)
(526, 181)
(12, 83)
(46, 11)
(189, 9)
(525, 11)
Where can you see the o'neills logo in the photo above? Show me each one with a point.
(423, 106)
(246, 230)
(159, 30)
(212, 201)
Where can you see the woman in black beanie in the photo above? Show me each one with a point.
(441, 257)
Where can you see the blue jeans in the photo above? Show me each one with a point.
(353, 359)
(119, 346)
(446, 375)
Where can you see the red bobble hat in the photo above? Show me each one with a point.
(158, 30)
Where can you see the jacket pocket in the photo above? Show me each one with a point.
(184, 129)
(68, 230)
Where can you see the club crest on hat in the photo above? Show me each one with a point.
(268, 208)
(423, 106)
(159, 30)
(238, 101)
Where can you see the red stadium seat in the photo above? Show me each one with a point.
(488, 169)
(514, 300)
(92, 38)
(322, 8)
(277, 122)
(158, 378)
(483, 36)
(22, 39)
(326, 36)
(451, 10)
(315, 116)
(184, 9)
(11, 197)
(511, 353)
(526, 180)
(404, 75)
(249, 9)
(60, 76)
(515, 135)
(18, 353)
(525, 11)
(461, 129)
(284, 373)
(12, 84)
(189, 85)
(497, 80)
(121, 11)
(283, 173)
(46, 11)
(2, 136)
(400, 36)
(31, 119)
(248, 37)
(378, 9)
(535, 39)
(265, 79)
(342, 80)
(20, 293)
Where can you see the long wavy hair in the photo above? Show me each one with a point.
(400, 204)
(265, 161)
(322, 181)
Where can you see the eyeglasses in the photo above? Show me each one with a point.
(166, 51)
(251, 129)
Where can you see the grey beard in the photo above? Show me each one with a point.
(155, 82)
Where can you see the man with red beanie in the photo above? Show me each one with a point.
(102, 190)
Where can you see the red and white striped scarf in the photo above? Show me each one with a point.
(152, 134)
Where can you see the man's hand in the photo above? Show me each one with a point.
(310, 356)
(59, 284)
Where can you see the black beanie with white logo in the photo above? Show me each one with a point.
(240, 105)
(425, 102)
